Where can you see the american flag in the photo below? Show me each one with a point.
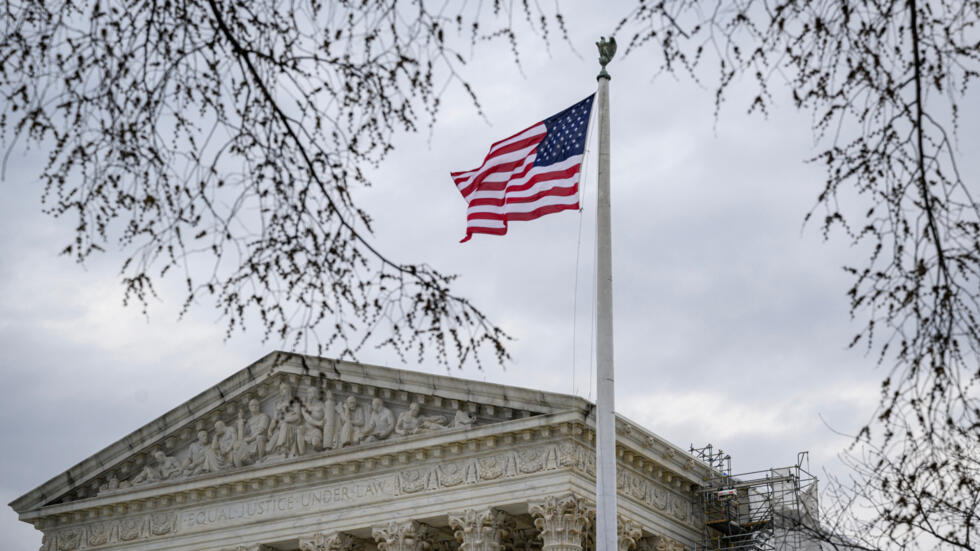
(530, 174)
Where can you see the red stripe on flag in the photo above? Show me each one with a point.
(517, 217)
(510, 200)
(510, 185)
(496, 169)
(521, 216)
(478, 229)
(540, 177)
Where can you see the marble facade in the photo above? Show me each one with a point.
(302, 453)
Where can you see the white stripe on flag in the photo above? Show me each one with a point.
(540, 186)
(519, 208)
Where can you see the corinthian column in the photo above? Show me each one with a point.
(628, 533)
(481, 529)
(409, 535)
(335, 541)
(562, 521)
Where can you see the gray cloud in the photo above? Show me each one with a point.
(730, 321)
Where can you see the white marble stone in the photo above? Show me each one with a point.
(299, 453)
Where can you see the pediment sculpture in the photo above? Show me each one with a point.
(287, 425)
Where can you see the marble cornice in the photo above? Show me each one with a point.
(336, 466)
(450, 388)
(634, 444)
(379, 458)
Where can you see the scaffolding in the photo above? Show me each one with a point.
(767, 510)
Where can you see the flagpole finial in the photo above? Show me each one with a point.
(607, 49)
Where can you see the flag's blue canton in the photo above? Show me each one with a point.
(566, 134)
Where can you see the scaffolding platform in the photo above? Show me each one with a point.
(756, 511)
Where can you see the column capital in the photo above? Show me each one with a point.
(482, 529)
(562, 521)
(410, 535)
(628, 533)
(334, 541)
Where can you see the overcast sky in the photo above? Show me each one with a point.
(730, 316)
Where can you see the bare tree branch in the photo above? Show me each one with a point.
(224, 139)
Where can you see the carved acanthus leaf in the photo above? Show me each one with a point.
(482, 529)
(628, 533)
(409, 535)
(562, 521)
(336, 541)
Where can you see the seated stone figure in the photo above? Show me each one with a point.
(202, 457)
(112, 483)
(169, 466)
(380, 422)
(463, 419)
(228, 443)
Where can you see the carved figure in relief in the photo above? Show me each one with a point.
(463, 419)
(408, 421)
(380, 422)
(148, 475)
(286, 426)
(166, 468)
(255, 430)
(228, 444)
(313, 414)
(330, 415)
(69, 540)
(162, 523)
(169, 466)
(351, 423)
(129, 529)
(112, 483)
(334, 541)
(202, 457)
(98, 533)
(241, 452)
(413, 422)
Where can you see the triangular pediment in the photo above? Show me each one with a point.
(289, 408)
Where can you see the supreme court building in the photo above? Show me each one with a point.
(302, 453)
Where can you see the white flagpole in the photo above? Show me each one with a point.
(605, 400)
